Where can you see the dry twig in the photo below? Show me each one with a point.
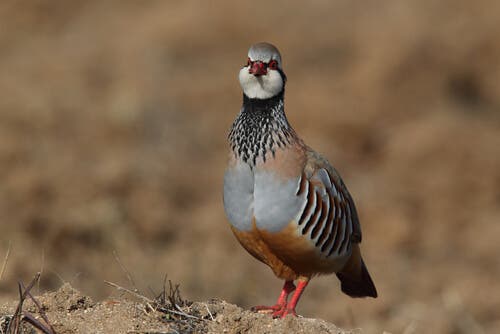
(19, 315)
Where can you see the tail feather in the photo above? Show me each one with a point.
(355, 280)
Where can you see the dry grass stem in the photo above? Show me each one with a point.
(170, 307)
(14, 326)
(5, 260)
(133, 293)
(209, 313)
(124, 269)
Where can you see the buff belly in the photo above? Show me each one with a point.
(288, 254)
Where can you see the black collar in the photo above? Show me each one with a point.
(253, 104)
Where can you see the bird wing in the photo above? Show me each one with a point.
(329, 217)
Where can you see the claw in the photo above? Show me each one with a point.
(284, 312)
(268, 309)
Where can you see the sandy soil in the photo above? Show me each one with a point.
(68, 311)
(113, 124)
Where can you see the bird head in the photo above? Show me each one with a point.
(262, 77)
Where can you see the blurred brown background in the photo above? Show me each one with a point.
(113, 124)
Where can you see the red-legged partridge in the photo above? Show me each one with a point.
(287, 205)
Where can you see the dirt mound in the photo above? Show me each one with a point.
(69, 311)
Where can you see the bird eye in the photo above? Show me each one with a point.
(249, 62)
(273, 65)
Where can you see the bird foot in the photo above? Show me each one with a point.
(284, 312)
(268, 309)
(283, 308)
(276, 311)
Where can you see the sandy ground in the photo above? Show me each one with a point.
(113, 125)
(68, 311)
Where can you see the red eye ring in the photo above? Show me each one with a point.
(273, 65)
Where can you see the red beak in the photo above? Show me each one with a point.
(257, 68)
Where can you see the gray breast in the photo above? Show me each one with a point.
(276, 202)
(238, 195)
(272, 200)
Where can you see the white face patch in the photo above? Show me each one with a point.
(261, 87)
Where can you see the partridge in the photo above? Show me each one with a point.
(287, 206)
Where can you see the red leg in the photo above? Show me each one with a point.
(281, 303)
(290, 306)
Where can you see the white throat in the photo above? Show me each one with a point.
(261, 87)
